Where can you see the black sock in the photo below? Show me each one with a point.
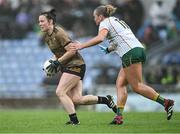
(114, 109)
(102, 100)
(73, 118)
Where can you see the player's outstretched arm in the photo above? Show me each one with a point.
(92, 42)
(96, 40)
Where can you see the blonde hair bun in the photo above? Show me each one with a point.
(110, 9)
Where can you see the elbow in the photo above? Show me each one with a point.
(101, 38)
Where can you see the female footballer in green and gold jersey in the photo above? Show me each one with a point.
(131, 51)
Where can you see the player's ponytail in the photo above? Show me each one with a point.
(50, 15)
(105, 10)
(110, 10)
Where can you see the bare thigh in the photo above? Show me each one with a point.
(134, 77)
(76, 92)
(67, 83)
(134, 74)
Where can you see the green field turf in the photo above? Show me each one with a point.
(52, 121)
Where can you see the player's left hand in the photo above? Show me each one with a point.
(104, 49)
(55, 66)
(75, 46)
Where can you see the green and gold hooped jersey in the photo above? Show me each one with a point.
(57, 42)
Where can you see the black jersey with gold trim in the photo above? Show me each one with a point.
(57, 42)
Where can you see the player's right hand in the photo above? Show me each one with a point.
(55, 66)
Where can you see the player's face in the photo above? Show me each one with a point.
(97, 18)
(43, 23)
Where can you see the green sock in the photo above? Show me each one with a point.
(160, 100)
(119, 111)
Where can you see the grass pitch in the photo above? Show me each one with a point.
(52, 121)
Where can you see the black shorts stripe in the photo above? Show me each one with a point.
(76, 70)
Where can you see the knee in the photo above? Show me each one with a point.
(135, 88)
(60, 93)
(122, 91)
(76, 100)
(120, 84)
(125, 93)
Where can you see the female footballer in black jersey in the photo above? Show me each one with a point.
(69, 89)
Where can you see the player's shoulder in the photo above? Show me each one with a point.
(108, 20)
(59, 30)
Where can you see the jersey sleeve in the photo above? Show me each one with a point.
(104, 25)
(62, 38)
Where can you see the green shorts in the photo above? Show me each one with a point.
(135, 55)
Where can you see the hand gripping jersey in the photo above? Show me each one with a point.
(57, 42)
(119, 35)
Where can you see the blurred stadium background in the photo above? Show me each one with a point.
(23, 84)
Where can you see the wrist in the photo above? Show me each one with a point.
(57, 62)
(81, 46)
(107, 50)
